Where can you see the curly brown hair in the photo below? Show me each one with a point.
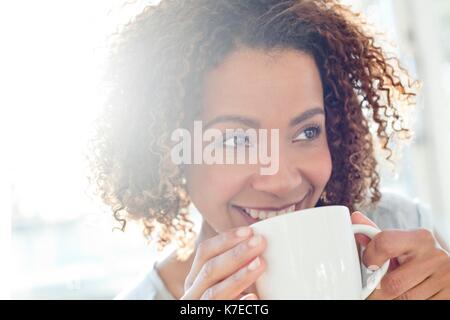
(158, 63)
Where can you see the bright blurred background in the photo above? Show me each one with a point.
(57, 241)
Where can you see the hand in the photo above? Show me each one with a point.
(225, 265)
(422, 268)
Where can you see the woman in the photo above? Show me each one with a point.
(307, 68)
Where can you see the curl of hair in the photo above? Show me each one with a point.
(154, 79)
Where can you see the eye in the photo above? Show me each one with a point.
(309, 133)
(237, 140)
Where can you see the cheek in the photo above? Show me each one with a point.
(211, 187)
(323, 167)
(211, 180)
(318, 167)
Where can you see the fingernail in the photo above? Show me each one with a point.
(254, 241)
(254, 264)
(243, 232)
(250, 296)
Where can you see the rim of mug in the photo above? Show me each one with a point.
(303, 211)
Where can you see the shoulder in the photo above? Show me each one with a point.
(148, 286)
(398, 211)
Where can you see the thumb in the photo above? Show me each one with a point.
(358, 218)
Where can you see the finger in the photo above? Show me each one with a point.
(394, 243)
(423, 291)
(442, 278)
(358, 218)
(250, 296)
(396, 284)
(213, 247)
(232, 286)
(434, 283)
(441, 295)
(227, 263)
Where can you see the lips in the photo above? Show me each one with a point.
(254, 215)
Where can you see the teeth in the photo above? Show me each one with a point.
(254, 213)
(262, 214)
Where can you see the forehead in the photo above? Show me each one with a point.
(258, 83)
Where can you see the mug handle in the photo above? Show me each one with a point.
(375, 278)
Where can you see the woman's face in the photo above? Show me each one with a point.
(252, 89)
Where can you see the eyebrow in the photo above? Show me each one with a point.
(233, 118)
(306, 115)
(255, 124)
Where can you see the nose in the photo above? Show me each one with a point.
(282, 183)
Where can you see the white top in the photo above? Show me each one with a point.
(394, 211)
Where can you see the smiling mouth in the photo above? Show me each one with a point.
(266, 213)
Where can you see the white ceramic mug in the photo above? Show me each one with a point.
(312, 254)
